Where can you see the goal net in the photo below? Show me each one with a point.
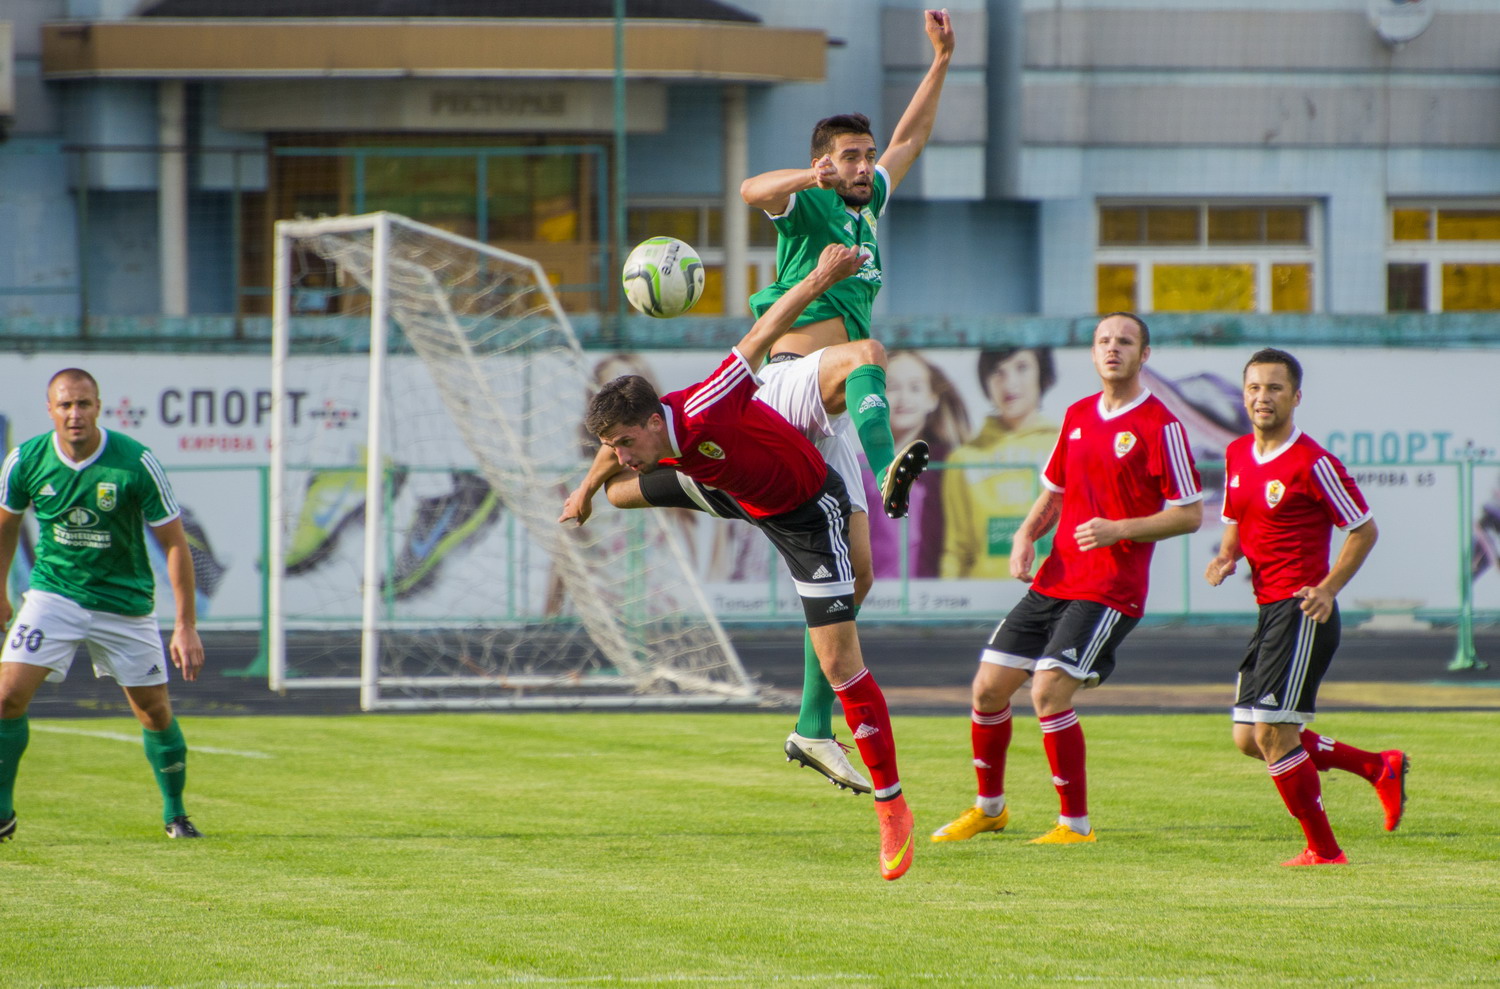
(428, 397)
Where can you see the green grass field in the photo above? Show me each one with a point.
(679, 849)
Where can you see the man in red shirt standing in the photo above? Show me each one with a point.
(1120, 479)
(1283, 496)
(765, 471)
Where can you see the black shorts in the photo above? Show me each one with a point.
(1077, 637)
(666, 488)
(813, 538)
(1284, 665)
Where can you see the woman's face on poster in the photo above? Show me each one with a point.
(908, 387)
(1015, 387)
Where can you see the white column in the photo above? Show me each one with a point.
(172, 230)
(736, 216)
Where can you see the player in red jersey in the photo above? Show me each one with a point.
(1283, 496)
(718, 433)
(1120, 479)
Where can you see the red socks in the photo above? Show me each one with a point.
(990, 735)
(1062, 737)
(870, 722)
(1296, 779)
(1329, 754)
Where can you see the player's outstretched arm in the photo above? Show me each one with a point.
(915, 126)
(1317, 602)
(834, 265)
(1225, 563)
(772, 191)
(580, 503)
(10, 537)
(185, 648)
(1038, 522)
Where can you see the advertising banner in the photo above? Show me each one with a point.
(1402, 421)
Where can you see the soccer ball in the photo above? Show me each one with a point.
(662, 277)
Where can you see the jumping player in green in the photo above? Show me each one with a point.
(839, 200)
(92, 582)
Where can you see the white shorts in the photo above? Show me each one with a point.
(48, 628)
(791, 388)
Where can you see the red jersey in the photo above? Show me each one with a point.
(728, 439)
(1118, 465)
(1286, 505)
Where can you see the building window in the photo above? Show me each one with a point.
(1443, 258)
(538, 197)
(701, 224)
(1206, 257)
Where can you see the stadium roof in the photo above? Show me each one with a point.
(684, 10)
(668, 40)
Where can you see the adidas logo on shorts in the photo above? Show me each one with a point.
(821, 573)
(837, 607)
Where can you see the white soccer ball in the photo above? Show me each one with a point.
(663, 277)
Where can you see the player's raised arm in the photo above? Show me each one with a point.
(834, 265)
(915, 126)
(772, 191)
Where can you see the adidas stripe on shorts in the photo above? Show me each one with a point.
(1284, 664)
(48, 628)
(813, 538)
(1043, 632)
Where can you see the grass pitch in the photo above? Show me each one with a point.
(679, 849)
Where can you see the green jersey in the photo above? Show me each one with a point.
(91, 545)
(814, 219)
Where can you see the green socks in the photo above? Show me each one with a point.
(815, 720)
(864, 391)
(167, 753)
(14, 733)
(165, 750)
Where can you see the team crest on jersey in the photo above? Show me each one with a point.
(1124, 443)
(711, 450)
(104, 496)
(1274, 491)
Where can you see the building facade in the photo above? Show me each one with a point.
(1337, 157)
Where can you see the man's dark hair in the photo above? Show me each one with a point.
(991, 359)
(829, 128)
(1270, 355)
(72, 373)
(628, 400)
(1145, 330)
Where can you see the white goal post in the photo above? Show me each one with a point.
(428, 392)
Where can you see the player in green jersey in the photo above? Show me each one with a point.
(92, 490)
(839, 199)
